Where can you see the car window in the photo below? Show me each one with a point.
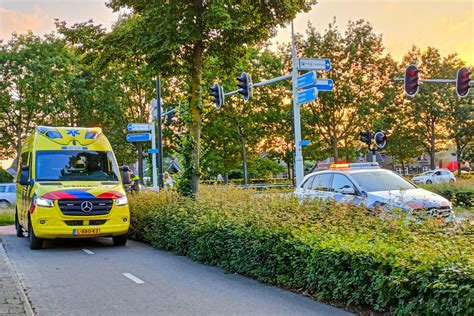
(2, 188)
(11, 188)
(322, 182)
(381, 180)
(308, 182)
(340, 181)
(437, 173)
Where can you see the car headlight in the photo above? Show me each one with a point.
(43, 202)
(121, 201)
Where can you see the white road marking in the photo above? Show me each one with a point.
(88, 251)
(133, 278)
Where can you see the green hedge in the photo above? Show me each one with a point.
(460, 193)
(333, 252)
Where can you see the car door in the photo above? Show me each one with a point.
(22, 192)
(341, 185)
(321, 186)
(437, 178)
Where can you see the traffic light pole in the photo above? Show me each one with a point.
(160, 140)
(299, 171)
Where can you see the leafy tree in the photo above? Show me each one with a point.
(5, 177)
(179, 37)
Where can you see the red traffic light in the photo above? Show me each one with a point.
(462, 82)
(411, 80)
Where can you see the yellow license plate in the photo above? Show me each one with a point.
(86, 231)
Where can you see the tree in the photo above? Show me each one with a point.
(178, 38)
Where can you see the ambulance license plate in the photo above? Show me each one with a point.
(86, 231)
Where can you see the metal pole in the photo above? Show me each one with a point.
(153, 156)
(262, 83)
(299, 172)
(160, 141)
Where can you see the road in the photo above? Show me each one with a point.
(92, 277)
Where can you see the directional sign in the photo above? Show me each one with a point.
(305, 142)
(153, 150)
(131, 138)
(306, 80)
(138, 127)
(323, 84)
(307, 95)
(314, 64)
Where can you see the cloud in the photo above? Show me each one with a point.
(20, 22)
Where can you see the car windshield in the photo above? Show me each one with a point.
(381, 180)
(68, 165)
(427, 173)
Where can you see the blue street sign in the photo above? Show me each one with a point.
(131, 138)
(306, 80)
(314, 64)
(153, 150)
(323, 84)
(305, 142)
(307, 95)
(139, 127)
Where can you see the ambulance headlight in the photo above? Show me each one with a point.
(43, 202)
(121, 201)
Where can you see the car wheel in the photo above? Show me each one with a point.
(120, 240)
(35, 242)
(429, 182)
(19, 229)
(4, 204)
(451, 180)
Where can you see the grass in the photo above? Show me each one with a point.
(7, 216)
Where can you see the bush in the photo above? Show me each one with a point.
(461, 193)
(335, 253)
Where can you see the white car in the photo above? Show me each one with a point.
(369, 185)
(435, 176)
(7, 195)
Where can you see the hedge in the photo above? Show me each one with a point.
(335, 253)
(460, 193)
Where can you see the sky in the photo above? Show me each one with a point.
(445, 24)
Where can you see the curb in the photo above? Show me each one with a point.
(18, 285)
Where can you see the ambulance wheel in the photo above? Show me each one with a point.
(19, 229)
(120, 240)
(35, 242)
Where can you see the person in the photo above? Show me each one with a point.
(135, 182)
(168, 182)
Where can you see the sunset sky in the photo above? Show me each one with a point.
(445, 24)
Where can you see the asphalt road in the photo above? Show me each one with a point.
(92, 277)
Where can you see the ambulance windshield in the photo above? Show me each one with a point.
(69, 165)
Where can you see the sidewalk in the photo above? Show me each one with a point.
(12, 298)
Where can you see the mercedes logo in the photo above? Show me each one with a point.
(86, 206)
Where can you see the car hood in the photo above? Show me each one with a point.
(412, 198)
(79, 190)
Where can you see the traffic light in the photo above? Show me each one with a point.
(411, 80)
(218, 93)
(245, 85)
(380, 139)
(462, 82)
(365, 137)
(169, 119)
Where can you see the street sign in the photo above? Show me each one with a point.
(305, 142)
(138, 127)
(314, 64)
(132, 138)
(307, 95)
(153, 150)
(306, 80)
(324, 84)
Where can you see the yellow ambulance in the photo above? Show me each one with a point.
(69, 186)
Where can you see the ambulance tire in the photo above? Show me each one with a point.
(19, 229)
(35, 242)
(120, 240)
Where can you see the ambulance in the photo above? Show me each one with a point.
(69, 186)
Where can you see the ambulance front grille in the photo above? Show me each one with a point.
(91, 207)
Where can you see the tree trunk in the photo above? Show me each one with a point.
(335, 149)
(140, 161)
(458, 157)
(195, 107)
(403, 167)
(244, 153)
(432, 147)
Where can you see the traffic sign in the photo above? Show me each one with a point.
(131, 138)
(305, 142)
(324, 84)
(138, 127)
(307, 95)
(314, 64)
(153, 150)
(306, 80)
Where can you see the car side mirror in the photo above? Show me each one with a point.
(124, 172)
(24, 176)
(346, 190)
